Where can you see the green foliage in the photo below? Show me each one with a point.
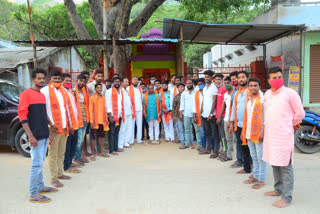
(194, 53)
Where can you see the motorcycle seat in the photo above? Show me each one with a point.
(314, 113)
(313, 117)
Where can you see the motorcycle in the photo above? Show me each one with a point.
(307, 139)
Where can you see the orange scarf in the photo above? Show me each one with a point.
(255, 122)
(56, 113)
(197, 101)
(158, 105)
(131, 94)
(235, 108)
(115, 110)
(167, 115)
(86, 105)
(94, 110)
(175, 91)
(157, 91)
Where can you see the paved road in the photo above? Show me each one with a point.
(156, 179)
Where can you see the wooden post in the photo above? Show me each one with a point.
(106, 7)
(114, 48)
(265, 65)
(32, 38)
(181, 51)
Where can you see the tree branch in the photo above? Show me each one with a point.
(96, 12)
(136, 25)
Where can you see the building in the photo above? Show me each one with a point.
(16, 63)
(301, 49)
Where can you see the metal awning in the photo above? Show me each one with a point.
(68, 43)
(250, 34)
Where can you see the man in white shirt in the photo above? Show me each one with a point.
(208, 107)
(114, 106)
(98, 77)
(172, 82)
(186, 104)
(135, 94)
(57, 114)
(126, 125)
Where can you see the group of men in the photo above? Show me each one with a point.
(215, 111)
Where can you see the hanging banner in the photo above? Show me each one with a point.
(294, 77)
(277, 61)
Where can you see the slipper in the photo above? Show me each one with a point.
(73, 171)
(40, 199)
(74, 165)
(48, 190)
(104, 155)
(93, 158)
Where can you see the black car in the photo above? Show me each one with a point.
(11, 130)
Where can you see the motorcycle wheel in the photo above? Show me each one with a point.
(306, 146)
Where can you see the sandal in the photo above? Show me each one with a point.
(40, 199)
(74, 165)
(73, 171)
(93, 158)
(48, 190)
(213, 156)
(103, 154)
(84, 160)
(226, 158)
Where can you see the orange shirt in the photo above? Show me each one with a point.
(100, 109)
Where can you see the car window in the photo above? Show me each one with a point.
(11, 91)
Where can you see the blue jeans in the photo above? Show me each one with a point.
(259, 166)
(70, 150)
(180, 130)
(188, 121)
(203, 136)
(38, 154)
(81, 135)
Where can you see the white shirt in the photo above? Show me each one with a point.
(208, 93)
(194, 110)
(92, 89)
(45, 91)
(170, 86)
(227, 100)
(108, 96)
(186, 103)
(137, 98)
(126, 102)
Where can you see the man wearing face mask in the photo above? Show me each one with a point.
(135, 94)
(98, 77)
(283, 113)
(157, 87)
(116, 114)
(57, 105)
(152, 79)
(73, 138)
(237, 113)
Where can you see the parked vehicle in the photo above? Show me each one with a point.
(307, 139)
(11, 130)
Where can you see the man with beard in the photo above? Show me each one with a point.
(283, 113)
(115, 109)
(176, 113)
(108, 83)
(237, 113)
(82, 102)
(33, 117)
(174, 91)
(172, 83)
(98, 77)
(57, 105)
(187, 99)
(166, 104)
(135, 94)
(208, 107)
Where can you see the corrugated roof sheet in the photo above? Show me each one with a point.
(227, 33)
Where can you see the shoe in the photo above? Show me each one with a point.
(183, 147)
(64, 177)
(57, 184)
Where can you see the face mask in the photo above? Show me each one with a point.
(157, 87)
(234, 83)
(228, 87)
(67, 85)
(108, 86)
(56, 84)
(276, 83)
(152, 81)
(218, 86)
(201, 86)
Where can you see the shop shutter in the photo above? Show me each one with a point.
(315, 74)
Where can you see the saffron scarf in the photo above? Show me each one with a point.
(158, 105)
(133, 104)
(235, 108)
(114, 100)
(175, 91)
(197, 102)
(255, 122)
(93, 108)
(86, 104)
(167, 115)
(56, 113)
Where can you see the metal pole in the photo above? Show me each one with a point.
(181, 51)
(32, 38)
(265, 65)
(106, 7)
(70, 67)
(301, 66)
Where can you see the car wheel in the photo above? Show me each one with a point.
(22, 143)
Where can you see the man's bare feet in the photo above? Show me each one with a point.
(251, 181)
(258, 185)
(271, 193)
(242, 172)
(281, 204)
(57, 184)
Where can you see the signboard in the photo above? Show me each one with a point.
(294, 76)
(277, 61)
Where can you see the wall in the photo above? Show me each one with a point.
(207, 60)
(309, 38)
